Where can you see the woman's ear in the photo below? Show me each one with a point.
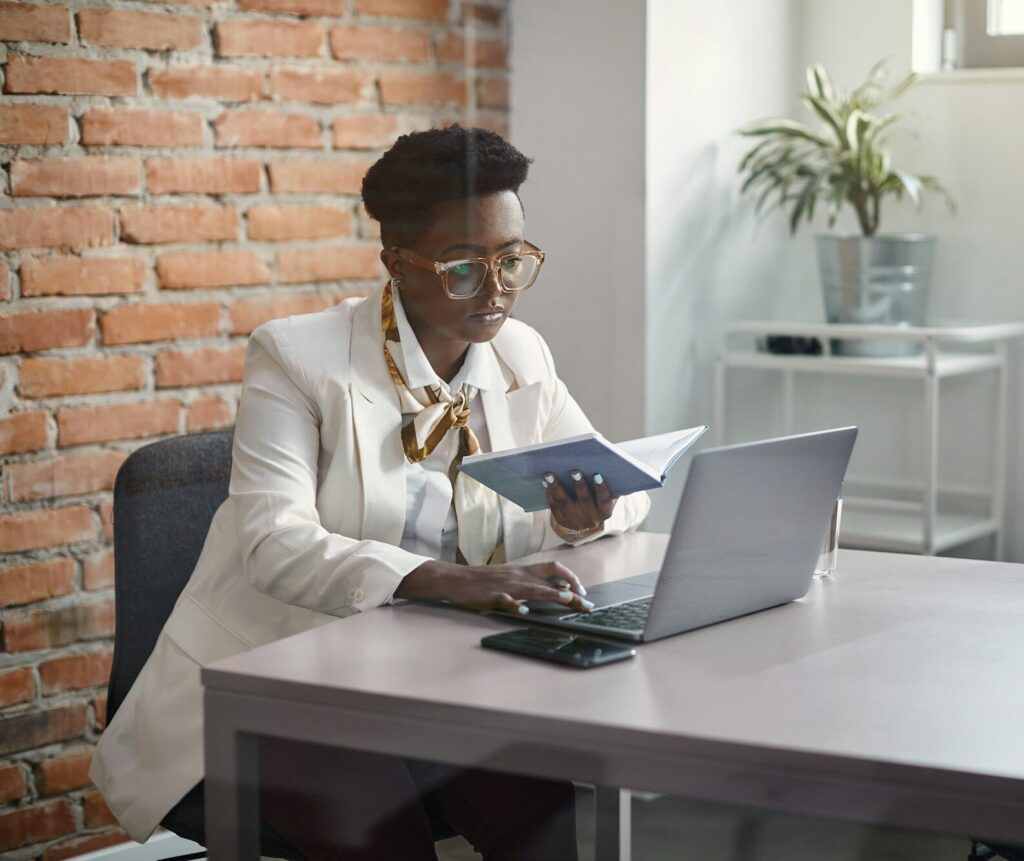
(392, 261)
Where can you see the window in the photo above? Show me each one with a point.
(983, 34)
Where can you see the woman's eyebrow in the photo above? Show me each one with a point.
(480, 248)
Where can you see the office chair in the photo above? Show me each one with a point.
(165, 496)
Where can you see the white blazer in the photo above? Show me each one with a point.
(311, 527)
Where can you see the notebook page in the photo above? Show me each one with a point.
(659, 452)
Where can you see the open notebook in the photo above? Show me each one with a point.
(627, 467)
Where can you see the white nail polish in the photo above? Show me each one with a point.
(577, 476)
(598, 478)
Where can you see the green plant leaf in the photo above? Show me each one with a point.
(785, 128)
(828, 116)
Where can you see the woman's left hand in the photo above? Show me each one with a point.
(582, 507)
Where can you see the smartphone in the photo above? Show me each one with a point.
(575, 650)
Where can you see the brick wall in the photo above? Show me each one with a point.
(170, 177)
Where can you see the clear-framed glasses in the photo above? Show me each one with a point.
(463, 279)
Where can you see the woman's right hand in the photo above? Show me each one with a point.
(495, 587)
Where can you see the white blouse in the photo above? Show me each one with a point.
(431, 528)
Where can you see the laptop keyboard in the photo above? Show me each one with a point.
(629, 617)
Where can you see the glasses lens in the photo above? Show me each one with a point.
(465, 279)
(519, 271)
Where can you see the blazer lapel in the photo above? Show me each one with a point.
(377, 424)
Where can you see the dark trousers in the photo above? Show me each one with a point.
(341, 804)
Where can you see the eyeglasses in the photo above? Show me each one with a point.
(463, 279)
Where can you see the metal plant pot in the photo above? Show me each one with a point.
(876, 280)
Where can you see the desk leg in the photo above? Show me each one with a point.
(612, 824)
(231, 785)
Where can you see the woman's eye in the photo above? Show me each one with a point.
(511, 263)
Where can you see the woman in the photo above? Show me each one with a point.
(344, 495)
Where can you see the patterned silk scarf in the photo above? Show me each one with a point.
(437, 410)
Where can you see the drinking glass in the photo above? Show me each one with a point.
(826, 566)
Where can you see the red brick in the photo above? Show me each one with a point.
(13, 786)
(107, 520)
(63, 773)
(138, 127)
(56, 227)
(98, 570)
(482, 53)
(47, 378)
(156, 31)
(70, 76)
(492, 92)
(319, 85)
(43, 629)
(80, 425)
(75, 177)
(269, 38)
(35, 824)
(364, 131)
(22, 432)
(21, 22)
(204, 366)
(248, 314)
(137, 324)
(267, 129)
(155, 224)
(427, 10)
(94, 842)
(99, 706)
(45, 330)
(35, 729)
(17, 686)
(207, 414)
(70, 275)
(368, 228)
(96, 811)
(37, 581)
(358, 262)
(383, 44)
(296, 7)
(281, 223)
(46, 527)
(317, 177)
(224, 83)
(188, 269)
(74, 672)
(203, 176)
(481, 13)
(422, 88)
(68, 475)
(41, 125)
(5, 281)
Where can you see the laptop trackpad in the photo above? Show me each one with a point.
(618, 591)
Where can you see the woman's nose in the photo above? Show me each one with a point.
(492, 283)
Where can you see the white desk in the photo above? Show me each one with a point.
(891, 695)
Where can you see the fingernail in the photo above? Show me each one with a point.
(598, 478)
(565, 596)
(544, 483)
(582, 590)
(576, 475)
(522, 609)
(588, 604)
(549, 479)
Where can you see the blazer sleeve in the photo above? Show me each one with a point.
(566, 418)
(285, 550)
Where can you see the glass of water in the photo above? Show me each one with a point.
(826, 566)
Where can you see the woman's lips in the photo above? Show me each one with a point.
(491, 315)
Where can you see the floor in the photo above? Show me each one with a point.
(673, 829)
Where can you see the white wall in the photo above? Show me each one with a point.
(970, 133)
(578, 109)
(711, 68)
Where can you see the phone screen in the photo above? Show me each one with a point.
(560, 646)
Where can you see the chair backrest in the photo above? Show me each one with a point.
(165, 496)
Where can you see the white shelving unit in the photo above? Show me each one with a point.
(881, 523)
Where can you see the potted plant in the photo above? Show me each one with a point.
(870, 278)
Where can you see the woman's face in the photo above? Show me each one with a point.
(472, 227)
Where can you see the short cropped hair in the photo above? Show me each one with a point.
(426, 168)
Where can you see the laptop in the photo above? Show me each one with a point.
(747, 535)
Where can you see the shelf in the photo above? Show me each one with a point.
(901, 532)
(948, 365)
(973, 333)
